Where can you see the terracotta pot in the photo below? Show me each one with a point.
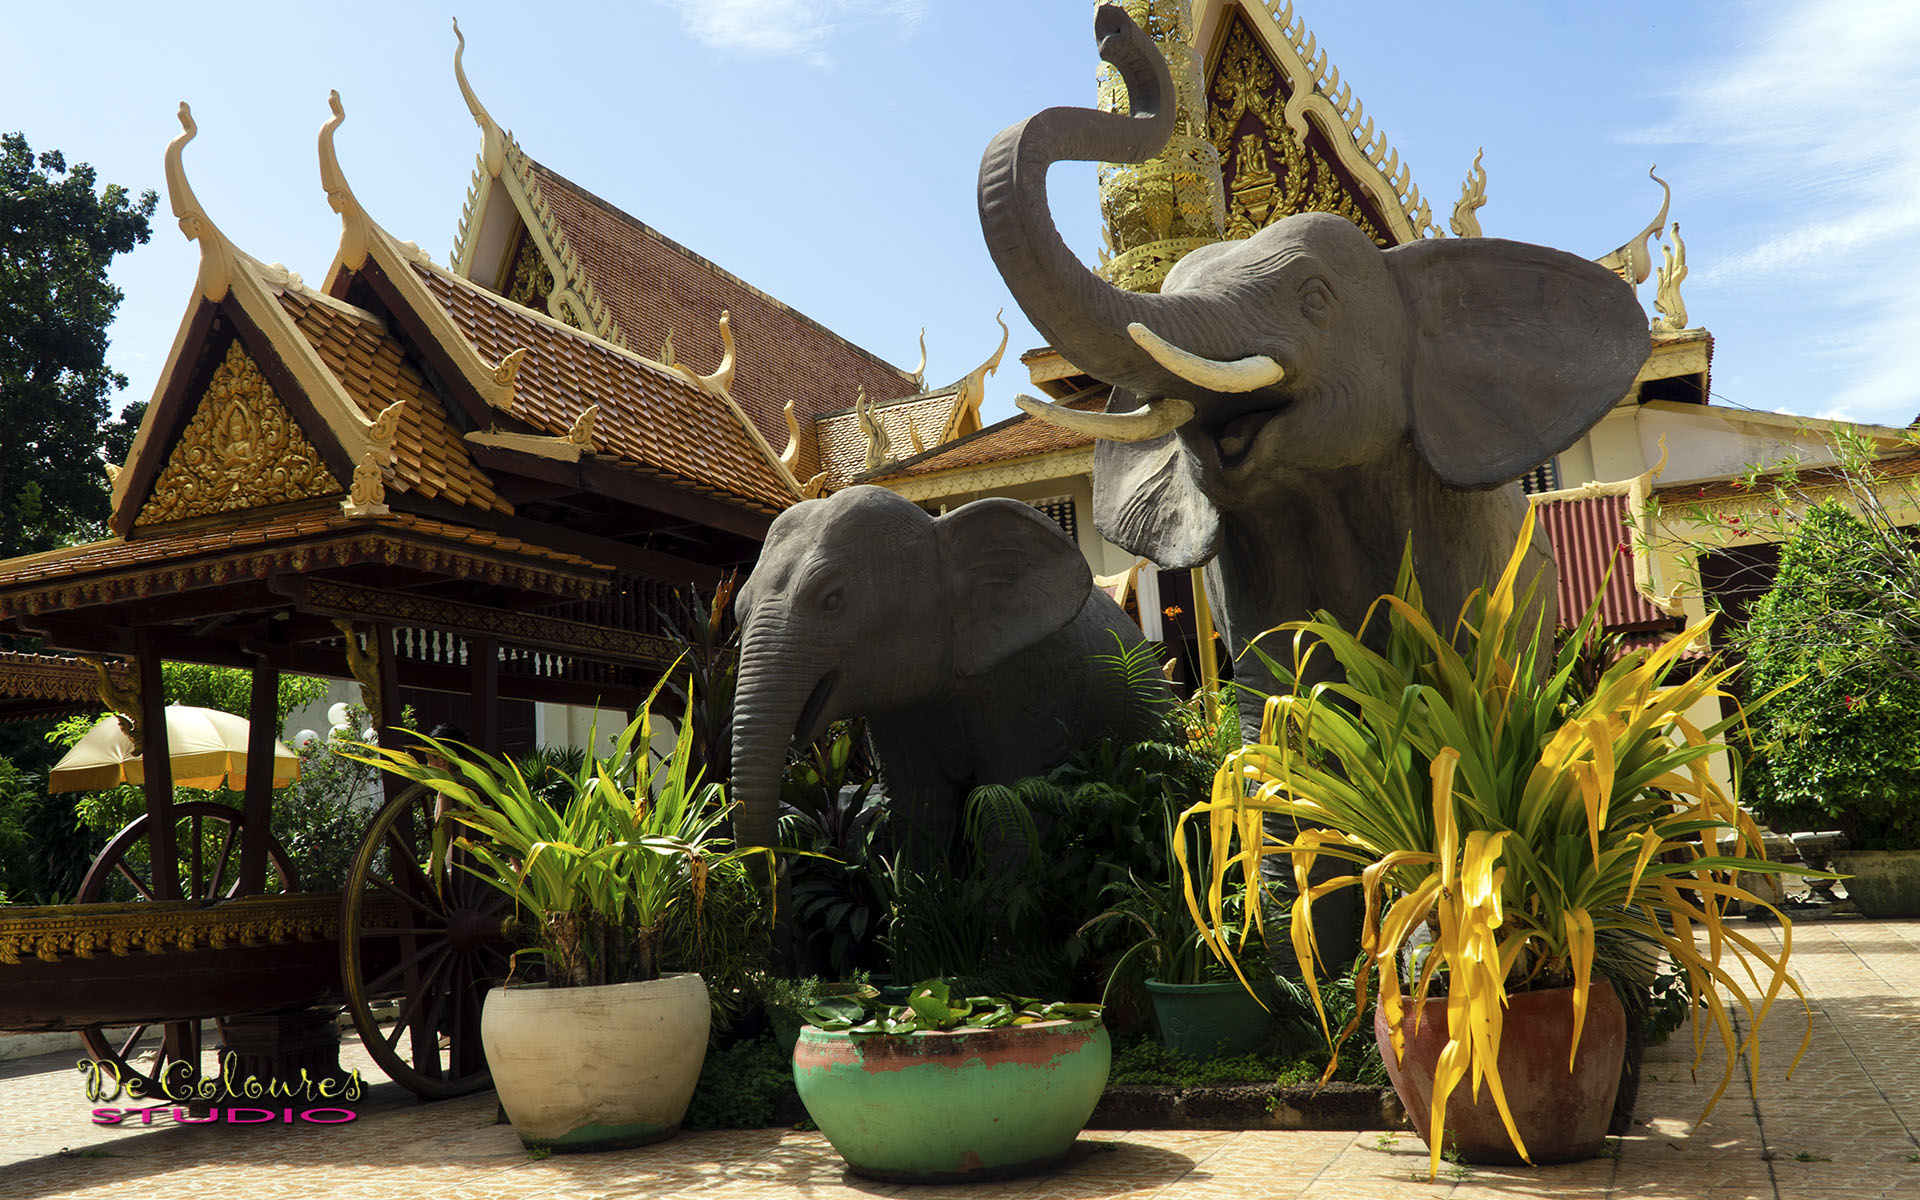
(1560, 1116)
(597, 1068)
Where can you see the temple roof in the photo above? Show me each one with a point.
(1017, 437)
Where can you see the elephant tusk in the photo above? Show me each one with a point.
(1158, 418)
(1240, 375)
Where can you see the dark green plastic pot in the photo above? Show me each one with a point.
(950, 1107)
(1208, 1020)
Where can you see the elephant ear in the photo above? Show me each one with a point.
(1014, 576)
(1147, 498)
(1517, 350)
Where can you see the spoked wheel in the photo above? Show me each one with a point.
(206, 837)
(428, 935)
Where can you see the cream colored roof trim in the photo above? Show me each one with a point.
(361, 238)
(561, 449)
(231, 275)
(1317, 90)
(503, 168)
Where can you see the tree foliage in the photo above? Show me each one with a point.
(1839, 747)
(57, 236)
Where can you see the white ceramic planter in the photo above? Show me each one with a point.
(598, 1067)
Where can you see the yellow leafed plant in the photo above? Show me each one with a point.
(1526, 821)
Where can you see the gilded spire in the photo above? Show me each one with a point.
(1633, 259)
(1672, 309)
(1157, 211)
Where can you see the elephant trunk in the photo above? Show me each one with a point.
(767, 705)
(1081, 314)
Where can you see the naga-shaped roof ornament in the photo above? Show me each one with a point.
(493, 139)
(1633, 259)
(216, 252)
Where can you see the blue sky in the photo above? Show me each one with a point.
(826, 150)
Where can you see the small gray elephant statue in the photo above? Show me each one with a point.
(968, 641)
(1292, 406)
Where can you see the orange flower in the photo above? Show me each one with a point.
(1172, 610)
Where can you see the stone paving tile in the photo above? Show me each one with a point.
(1851, 1109)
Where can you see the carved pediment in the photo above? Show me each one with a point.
(1272, 166)
(241, 449)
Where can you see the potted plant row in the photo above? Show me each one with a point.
(605, 1052)
(947, 1088)
(1539, 835)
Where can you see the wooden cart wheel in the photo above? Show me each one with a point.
(432, 937)
(206, 837)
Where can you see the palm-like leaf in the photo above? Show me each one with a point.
(1474, 790)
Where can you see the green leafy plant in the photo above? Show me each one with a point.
(597, 878)
(831, 806)
(741, 1086)
(932, 1007)
(1470, 801)
(1838, 745)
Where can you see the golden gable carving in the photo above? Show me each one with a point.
(1270, 171)
(242, 449)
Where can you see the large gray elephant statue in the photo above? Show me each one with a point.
(968, 641)
(1292, 406)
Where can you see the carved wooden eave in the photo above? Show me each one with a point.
(505, 194)
(559, 449)
(236, 283)
(1318, 97)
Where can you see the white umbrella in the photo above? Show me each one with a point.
(206, 747)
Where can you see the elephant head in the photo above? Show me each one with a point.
(1267, 362)
(864, 603)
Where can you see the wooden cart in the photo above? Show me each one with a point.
(431, 939)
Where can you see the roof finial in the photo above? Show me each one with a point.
(1473, 196)
(1633, 261)
(216, 255)
(790, 457)
(1666, 300)
(964, 417)
(879, 446)
(722, 377)
(340, 197)
(920, 371)
(493, 139)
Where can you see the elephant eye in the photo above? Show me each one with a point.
(1316, 300)
(831, 601)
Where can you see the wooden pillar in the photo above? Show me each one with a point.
(483, 709)
(263, 717)
(380, 639)
(157, 763)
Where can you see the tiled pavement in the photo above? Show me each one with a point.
(1844, 1126)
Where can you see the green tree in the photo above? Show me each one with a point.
(1839, 747)
(57, 236)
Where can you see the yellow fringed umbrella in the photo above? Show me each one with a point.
(207, 747)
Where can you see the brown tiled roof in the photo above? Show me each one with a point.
(430, 459)
(299, 540)
(1592, 546)
(651, 417)
(843, 444)
(1019, 436)
(652, 285)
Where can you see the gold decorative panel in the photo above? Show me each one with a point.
(242, 449)
(1269, 172)
(1158, 211)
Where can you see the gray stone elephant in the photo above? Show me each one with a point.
(967, 641)
(1290, 407)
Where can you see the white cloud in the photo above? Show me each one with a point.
(801, 29)
(1807, 130)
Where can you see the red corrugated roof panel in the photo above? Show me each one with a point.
(1592, 544)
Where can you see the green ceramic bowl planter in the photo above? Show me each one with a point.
(946, 1088)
